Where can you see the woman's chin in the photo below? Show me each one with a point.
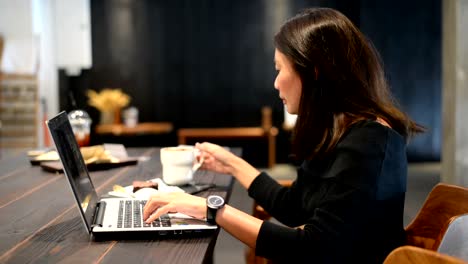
(290, 111)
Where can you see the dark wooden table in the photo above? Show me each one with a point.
(40, 222)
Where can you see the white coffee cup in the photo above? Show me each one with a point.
(177, 164)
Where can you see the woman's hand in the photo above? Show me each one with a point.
(163, 203)
(216, 158)
(238, 223)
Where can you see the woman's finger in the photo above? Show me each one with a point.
(151, 205)
(155, 215)
(160, 211)
(206, 147)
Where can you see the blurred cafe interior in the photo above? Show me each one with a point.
(163, 73)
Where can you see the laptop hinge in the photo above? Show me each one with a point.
(99, 214)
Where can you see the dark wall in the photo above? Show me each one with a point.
(209, 63)
(408, 36)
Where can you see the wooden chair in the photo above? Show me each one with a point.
(259, 212)
(454, 242)
(453, 247)
(416, 255)
(444, 202)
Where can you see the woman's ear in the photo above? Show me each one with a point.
(316, 73)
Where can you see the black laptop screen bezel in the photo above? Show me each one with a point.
(74, 167)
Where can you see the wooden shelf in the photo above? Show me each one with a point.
(140, 129)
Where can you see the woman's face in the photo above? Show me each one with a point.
(288, 83)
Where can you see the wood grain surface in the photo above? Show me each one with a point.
(40, 222)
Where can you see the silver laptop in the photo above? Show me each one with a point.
(112, 217)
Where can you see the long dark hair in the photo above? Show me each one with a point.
(342, 77)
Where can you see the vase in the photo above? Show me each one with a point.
(107, 117)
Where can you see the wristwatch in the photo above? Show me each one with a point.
(213, 203)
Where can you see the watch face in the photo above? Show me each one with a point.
(215, 200)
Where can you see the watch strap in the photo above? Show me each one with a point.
(211, 215)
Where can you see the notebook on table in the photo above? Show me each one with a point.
(112, 217)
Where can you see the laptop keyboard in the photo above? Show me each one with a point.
(131, 215)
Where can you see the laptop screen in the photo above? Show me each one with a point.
(74, 166)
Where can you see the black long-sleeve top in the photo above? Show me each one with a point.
(350, 204)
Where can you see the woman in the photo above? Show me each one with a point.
(347, 202)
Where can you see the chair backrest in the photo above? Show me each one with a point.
(415, 255)
(443, 202)
(455, 239)
(267, 121)
(453, 248)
